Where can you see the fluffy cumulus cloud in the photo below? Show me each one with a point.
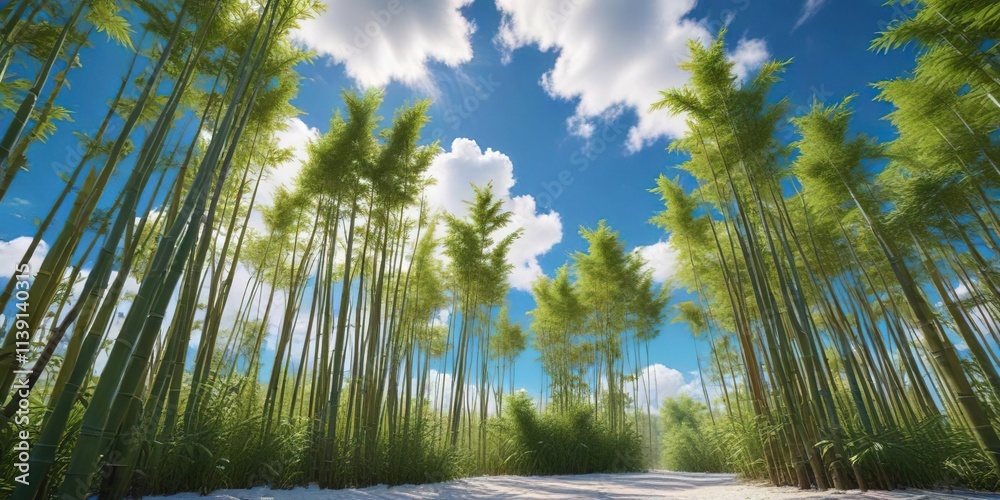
(11, 253)
(980, 315)
(661, 259)
(614, 56)
(657, 383)
(379, 41)
(962, 291)
(295, 137)
(465, 165)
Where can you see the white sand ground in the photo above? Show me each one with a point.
(655, 484)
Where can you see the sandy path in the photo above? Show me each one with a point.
(656, 484)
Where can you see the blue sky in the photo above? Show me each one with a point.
(547, 98)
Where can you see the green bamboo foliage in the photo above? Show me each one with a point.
(478, 259)
(558, 336)
(816, 268)
(591, 327)
(832, 169)
(102, 15)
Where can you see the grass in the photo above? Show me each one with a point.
(930, 453)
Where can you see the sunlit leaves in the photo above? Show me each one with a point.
(830, 166)
(476, 249)
(106, 16)
(509, 340)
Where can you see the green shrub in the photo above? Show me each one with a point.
(230, 449)
(573, 441)
(689, 443)
(928, 453)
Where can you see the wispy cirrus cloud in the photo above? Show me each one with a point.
(809, 9)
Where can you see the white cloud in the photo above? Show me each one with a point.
(661, 259)
(11, 253)
(809, 9)
(441, 319)
(657, 383)
(983, 319)
(379, 41)
(962, 291)
(129, 288)
(749, 55)
(296, 136)
(456, 171)
(614, 56)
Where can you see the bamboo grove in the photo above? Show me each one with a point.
(353, 336)
(848, 286)
(193, 325)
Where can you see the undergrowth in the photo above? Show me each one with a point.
(526, 442)
(929, 453)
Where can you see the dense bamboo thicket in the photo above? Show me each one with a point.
(847, 286)
(352, 337)
(192, 325)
